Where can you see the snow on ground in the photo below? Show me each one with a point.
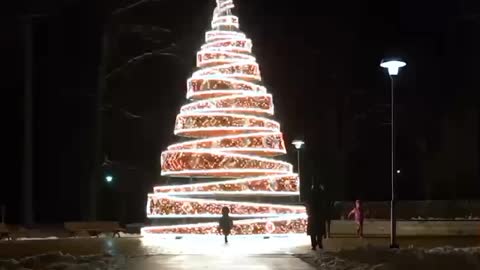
(103, 235)
(59, 261)
(129, 234)
(445, 219)
(36, 238)
(375, 258)
(363, 258)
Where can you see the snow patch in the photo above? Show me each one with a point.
(376, 258)
(103, 235)
(36, 238)
(467, 218)
(60, 261)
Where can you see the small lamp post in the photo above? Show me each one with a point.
(298, 146)
(393, 66)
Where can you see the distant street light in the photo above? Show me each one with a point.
(298, 146)
(109, 178)
(393, 66)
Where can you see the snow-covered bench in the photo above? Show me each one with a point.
(94, 228)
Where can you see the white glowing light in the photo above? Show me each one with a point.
(245, 181)
(210, 227)
(195, 144)
(212, 102)
(235, 193)
(249, 149)
(241, 70)
(393, 66)
(240, 87)
(221, 57)
(233, 110)
(261, 207)
(222, 153)
(231, 45)
(213, 172)
(218, 34)
(214, 72)
(185, 131)
(219, 114)
(269, 215)
(298, 143)
(222, 8)
(233, 81)
(227, 20)
(214, 93)
(225, 3)
(193, 124)
(239, 62)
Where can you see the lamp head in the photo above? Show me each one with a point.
(393, 65)
(298, 143)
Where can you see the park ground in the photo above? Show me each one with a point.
(342, 251)
(283, 253)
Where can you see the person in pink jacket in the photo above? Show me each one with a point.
(357, 211)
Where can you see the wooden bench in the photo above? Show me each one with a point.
(5, 232)
(11, 232)
(94, 228)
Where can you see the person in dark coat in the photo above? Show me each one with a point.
(316, 216)
(225, 224)
(329, 213)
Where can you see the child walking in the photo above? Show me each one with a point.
(357, 211)
(225, 223)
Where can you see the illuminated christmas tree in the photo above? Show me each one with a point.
(232, 143)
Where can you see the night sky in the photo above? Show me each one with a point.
(319, 62)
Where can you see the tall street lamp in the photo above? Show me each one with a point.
(298, 146)
(393, 66)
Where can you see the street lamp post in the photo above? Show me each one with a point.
(298, 146)
(393, 66)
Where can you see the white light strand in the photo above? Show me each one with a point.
(196, 124)
(230, 182)
(221, 56)
(225, 20)
(222, 153)
(215, 35)
(276, 225)
(230, 45)
(216, 141)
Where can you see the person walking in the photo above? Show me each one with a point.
(225, 223)
(329, 214)
(357, 212)
(316, 216)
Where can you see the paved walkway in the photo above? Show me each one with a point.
(243, 262)
(134, 247)
(247, 253)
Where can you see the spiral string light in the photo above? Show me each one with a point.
(232, 144)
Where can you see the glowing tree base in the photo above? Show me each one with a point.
(273, 226)
(232, 143)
